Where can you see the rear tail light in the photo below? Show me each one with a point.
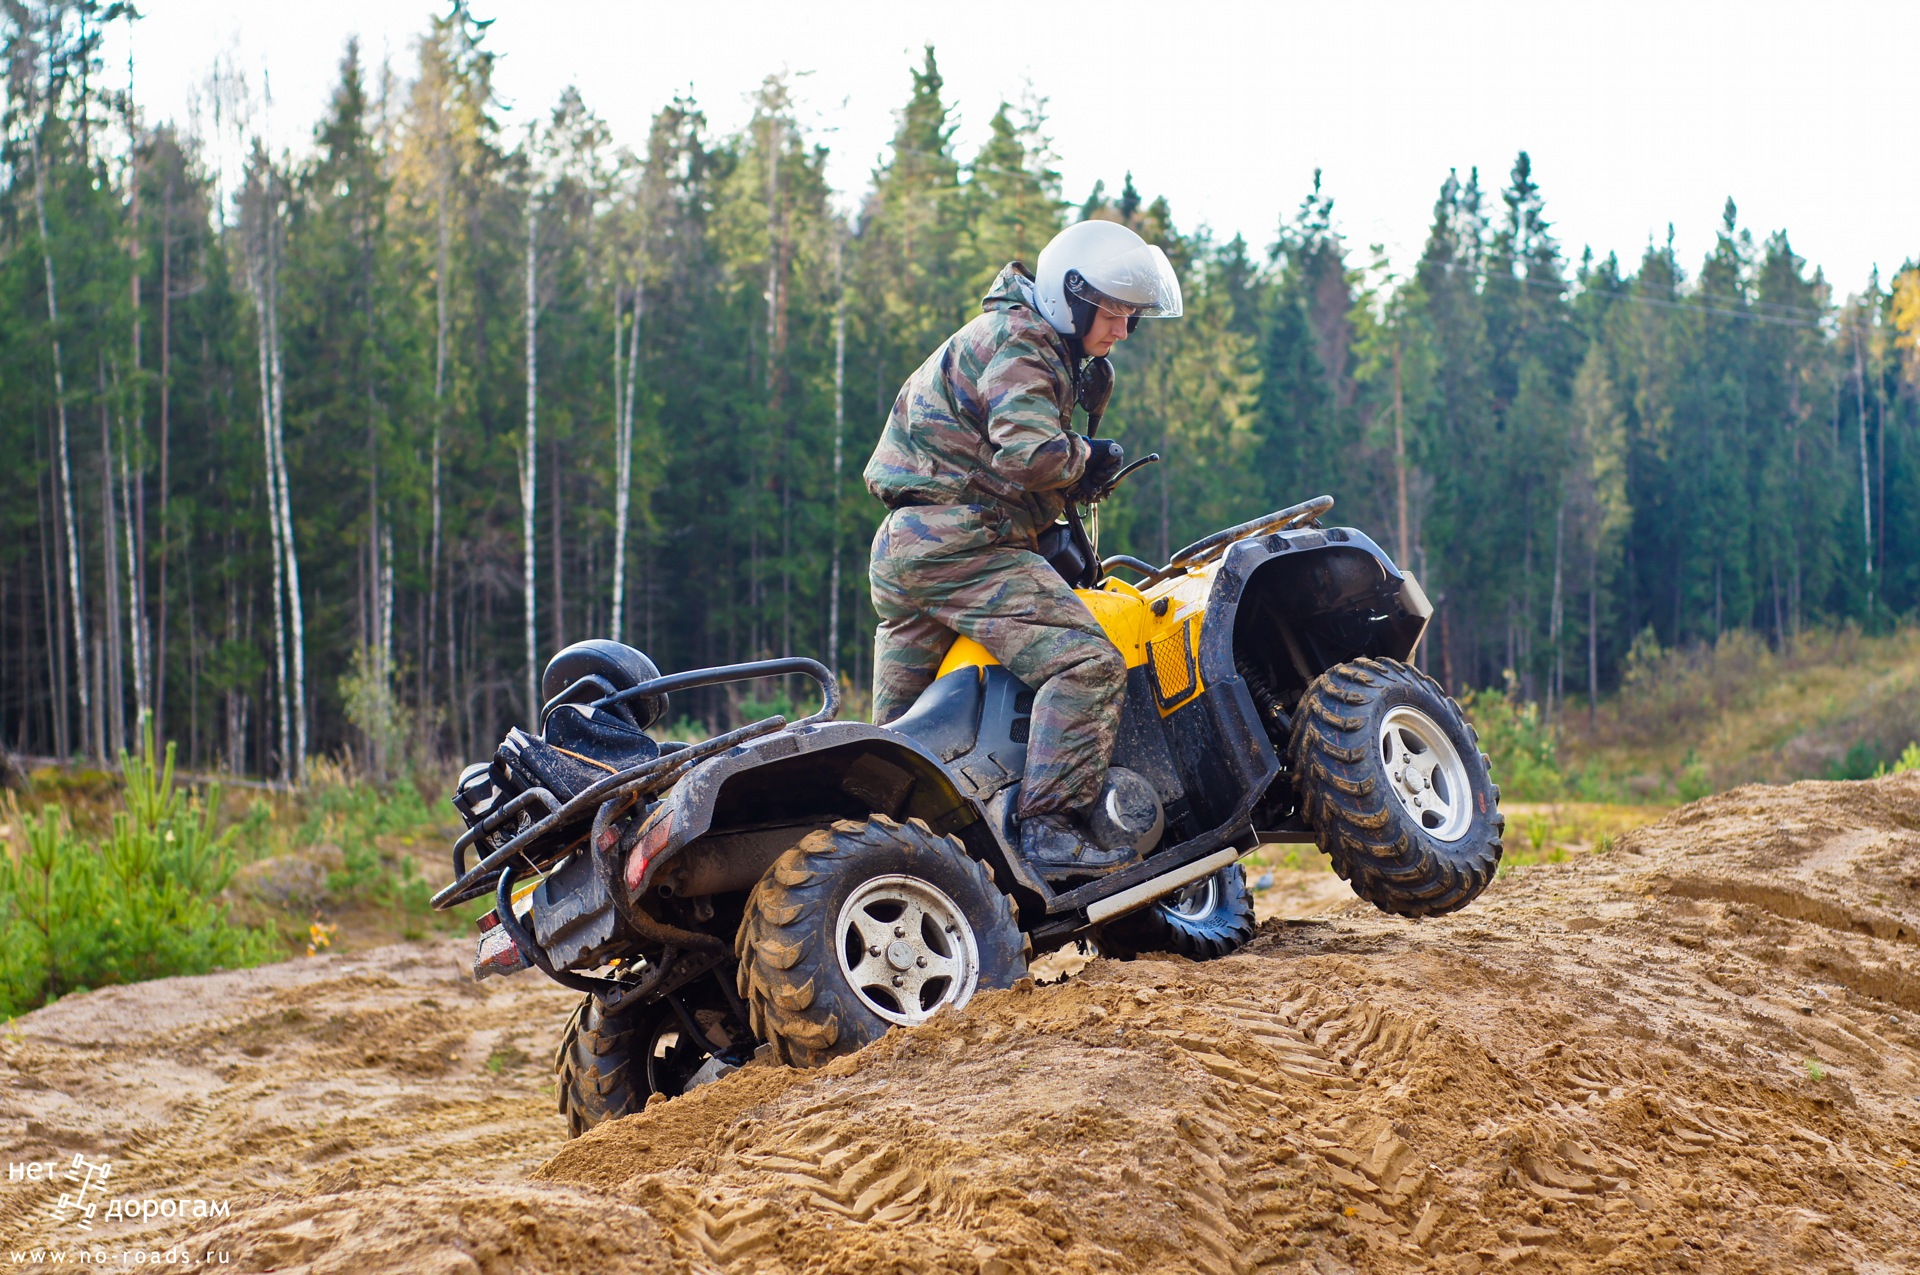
(497, 953)
(653, 839)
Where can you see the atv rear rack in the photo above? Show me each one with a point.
(639, 781)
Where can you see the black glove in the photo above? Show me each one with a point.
(1105, 458)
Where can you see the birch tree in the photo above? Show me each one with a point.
(530, 453)
(624, 380)
(264, 249)
(76, 591)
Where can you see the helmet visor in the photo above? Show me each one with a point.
(1139, 284)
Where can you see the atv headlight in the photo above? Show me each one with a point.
(1414, 598)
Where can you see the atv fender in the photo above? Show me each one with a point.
(726, 822)
(1220, 747)
(1305, 575)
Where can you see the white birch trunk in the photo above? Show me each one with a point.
(439, 414)
(384, 596)
(135, 512)
(264, 340)
(295, 615)
(839, 432)
(624, 387)
(528, 472)
(113, 686)
(75, 592)
(136, 628)
(1556, 688)
(1866, 487)
(1400, 460)
(620, 474)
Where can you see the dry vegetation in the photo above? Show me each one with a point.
(1684, 723)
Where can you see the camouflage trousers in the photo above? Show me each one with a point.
(943, 570)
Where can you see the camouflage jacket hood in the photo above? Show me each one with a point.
(985, 420)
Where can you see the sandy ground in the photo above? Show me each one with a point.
(1698, 1051)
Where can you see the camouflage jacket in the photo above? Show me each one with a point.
(984, 421)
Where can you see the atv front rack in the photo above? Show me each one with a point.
(1307, 511)
(1207, 547)
(636, 782)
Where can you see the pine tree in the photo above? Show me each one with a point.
(1012, 197)
(909, 235)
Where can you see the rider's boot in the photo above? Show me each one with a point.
(1058, 847)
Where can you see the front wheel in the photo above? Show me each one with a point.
(1206, 920)
(866, 926)
(1392, 778)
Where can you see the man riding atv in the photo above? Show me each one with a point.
(977, 458)
(1066, 756)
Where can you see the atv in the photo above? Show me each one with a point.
(799, 888)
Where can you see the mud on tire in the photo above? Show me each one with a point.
(868, 925)
(598, 1074)
(1207, 920)
(608, 1065)
(1392, 778)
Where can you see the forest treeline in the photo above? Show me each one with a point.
(330, 450)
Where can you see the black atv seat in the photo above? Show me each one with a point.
(946, 718)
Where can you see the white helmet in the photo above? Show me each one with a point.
(1103, 265)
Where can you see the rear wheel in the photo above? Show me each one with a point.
(608, 1065)
(1392, 778)
(1206, 920)
(866, 926)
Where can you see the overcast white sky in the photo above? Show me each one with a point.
(1636, 114)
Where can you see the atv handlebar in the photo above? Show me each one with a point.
(1106, 488)
(1150, 574)
(1151, 458)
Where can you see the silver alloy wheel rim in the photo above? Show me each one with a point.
(906, 949)
(1426, 774)
(1197, 901)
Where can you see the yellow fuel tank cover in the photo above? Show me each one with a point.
(1122, 613)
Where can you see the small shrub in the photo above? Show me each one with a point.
(354, 816)
(1860, 762)
(367, 694)
(1692, 782)
(1519, 745)
(140, 903)
(1667, 690)
(1909, 759)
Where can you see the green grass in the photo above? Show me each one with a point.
(1557, 831)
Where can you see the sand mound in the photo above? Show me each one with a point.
(1698, 1051)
